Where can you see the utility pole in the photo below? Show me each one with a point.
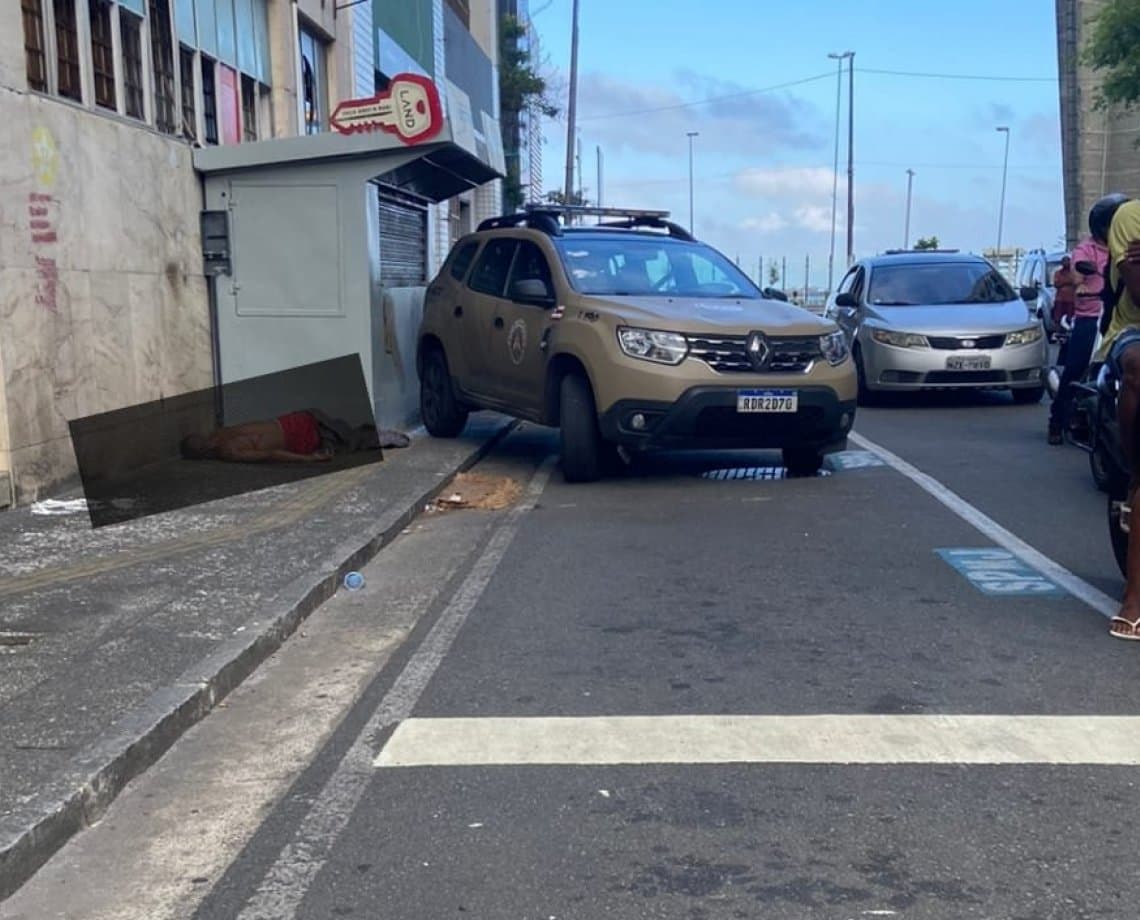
(691, 135)
(906, 233)
(839, 58)
(850, 158)
(572, 106)
(599, 151)
(807, 275)
(1001, 208)
(783, 273)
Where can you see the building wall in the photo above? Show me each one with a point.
(1098, 148)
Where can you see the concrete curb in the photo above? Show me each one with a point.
(33, 833)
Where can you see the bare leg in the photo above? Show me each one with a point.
(1127, 408)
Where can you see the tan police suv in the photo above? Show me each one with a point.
(627, 334)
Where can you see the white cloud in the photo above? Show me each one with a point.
(794, 182)
(769, 223)
(813, 217)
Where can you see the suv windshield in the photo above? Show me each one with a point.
(938, 283)
(618, 265)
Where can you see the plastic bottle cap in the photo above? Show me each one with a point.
(354, 581)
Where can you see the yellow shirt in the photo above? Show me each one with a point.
(1125, 229)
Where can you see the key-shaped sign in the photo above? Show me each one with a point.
(409, 108)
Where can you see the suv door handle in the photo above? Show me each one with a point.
(458, 311)
(498, 322)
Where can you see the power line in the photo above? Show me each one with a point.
(956, 76)
(817, 77)
(686, 105)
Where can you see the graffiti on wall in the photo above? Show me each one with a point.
(43, 217)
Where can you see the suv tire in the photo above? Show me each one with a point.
(441, 412)
(803, 461)
(582, 446)
(1028, 397)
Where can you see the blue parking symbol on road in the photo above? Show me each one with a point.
(999, 573)
(853, 460)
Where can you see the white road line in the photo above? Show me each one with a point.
(816, 739)
(1055, 572)
(288, 880)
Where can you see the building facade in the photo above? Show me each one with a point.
(103, 300)
(1098, 147)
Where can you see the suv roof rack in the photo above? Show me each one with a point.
(546, 217)
(912, 252)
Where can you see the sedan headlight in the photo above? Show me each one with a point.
(653, 345)
(899, 339)
(834, 347)
(1025, 336)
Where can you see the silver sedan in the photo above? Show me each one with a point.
(939, 320)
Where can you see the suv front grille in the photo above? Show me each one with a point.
(953, 343)
(728, 354)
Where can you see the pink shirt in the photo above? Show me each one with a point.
(1090, 286)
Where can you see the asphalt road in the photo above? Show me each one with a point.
(679, 695)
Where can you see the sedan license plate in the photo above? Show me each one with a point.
(968, 363)
(767, 401)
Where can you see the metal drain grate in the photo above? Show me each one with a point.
(753, 473)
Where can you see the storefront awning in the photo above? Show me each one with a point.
(436, 170)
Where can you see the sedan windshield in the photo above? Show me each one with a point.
(938, 283)
(617, 265)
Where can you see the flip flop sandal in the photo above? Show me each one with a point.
(1130, 632)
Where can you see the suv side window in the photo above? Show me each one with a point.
(490, 274)
(858, 283)
(461, 259)
(848, 281)
(530, 263)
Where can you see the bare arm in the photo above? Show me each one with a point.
(251, 455)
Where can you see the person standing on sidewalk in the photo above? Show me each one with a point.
(1090, 253)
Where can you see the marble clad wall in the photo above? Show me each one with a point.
(102, 300)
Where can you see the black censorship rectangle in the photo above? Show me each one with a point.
(215, 443)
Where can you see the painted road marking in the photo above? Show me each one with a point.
(821, 739)
(288, 880)
(853, 460)
(1058, 574)
(999, 572)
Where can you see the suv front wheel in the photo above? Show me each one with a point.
(442, 414)
(582, 446)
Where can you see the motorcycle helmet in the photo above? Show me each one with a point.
(1101, 214)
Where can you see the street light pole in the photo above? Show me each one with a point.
(691, 135)
(906, 233)
(839, 58)
(1004, 171)
(851, 159)
(572, 107)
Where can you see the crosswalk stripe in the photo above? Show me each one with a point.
(819, 739)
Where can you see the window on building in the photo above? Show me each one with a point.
(249, 100)
(162, 60)
(34, 48)
(130, 36)
(209, 102)
(67, 49)
(189, 109)
(313, 81)
(102, 53)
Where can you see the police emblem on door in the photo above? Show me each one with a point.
(516, 341)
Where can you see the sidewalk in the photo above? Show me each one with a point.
(115, 641)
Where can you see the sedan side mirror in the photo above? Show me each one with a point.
(532, 290)
(846, 299)
(1028, 293)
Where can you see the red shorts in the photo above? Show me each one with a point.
(301, 433)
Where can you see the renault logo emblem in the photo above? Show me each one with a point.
(759, 351)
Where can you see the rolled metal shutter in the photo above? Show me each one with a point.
(403, 239)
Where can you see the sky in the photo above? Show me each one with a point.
(649, 71)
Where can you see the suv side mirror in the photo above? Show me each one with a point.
(532, 290)
(847, 300)
(1028, 293)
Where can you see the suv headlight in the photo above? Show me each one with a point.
(834, 347)
(653, 345)
(899, 339)
(1024, 336)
